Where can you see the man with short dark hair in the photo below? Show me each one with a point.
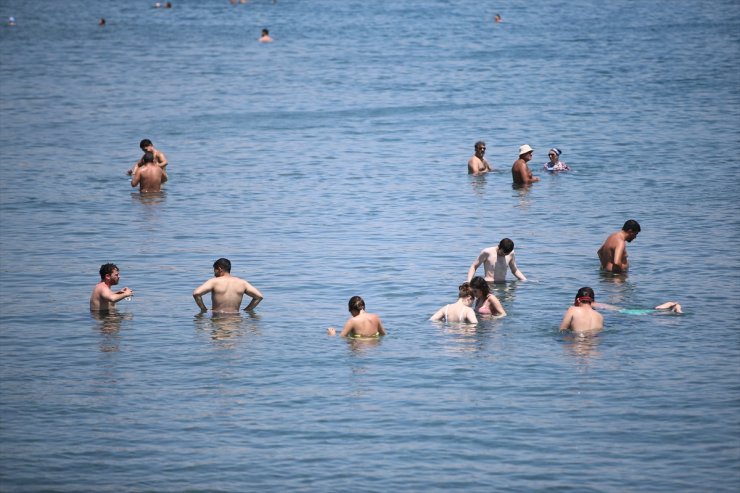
(226, 290)
(159, 158)
(148, 175)
(102, 297)
(477, 164)
(495, 261)
(613, 253)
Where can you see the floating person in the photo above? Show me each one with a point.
(486, 302)
(11, 21)
(477, 164)
(555, 164)
(581, 318)
(102, 297)
(159, 158)
(101, 22)
(148, 176)
(265, 37)
(361, 324)
(669, 306)
(520, 172)
(461, 310)
(496, 260)
(613, 253)
(226, 290)
(497, 19)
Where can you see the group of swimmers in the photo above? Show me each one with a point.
(474, 296)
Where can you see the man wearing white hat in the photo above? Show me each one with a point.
(520, 172)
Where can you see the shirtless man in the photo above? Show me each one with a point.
(613, 253)
(159, 158)
(477, 164)
(495, 261)
(582, 318)
(102, 297)
(520, 172)
(265, 36)
(226, 290)
(148, 175)
(361, 324)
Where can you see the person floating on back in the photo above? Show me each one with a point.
(361, 324)
(102, 297)
(582, 318)
(226, 290)
(613, 253)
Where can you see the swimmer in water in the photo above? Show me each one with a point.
(265, 37)
(497, 19)
(101, 22)
(520, 172)
(486, 302)
(461, 310)
(159, 158)
(477, 164)
(669, 306)
(102, 297)
(495, 261)
(361, 324)
(226, 290)
(555, 164)
(581, 318)
(148, 176)
(613, 253)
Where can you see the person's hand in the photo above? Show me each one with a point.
(129, 172)
(331, 331)
(127, 292)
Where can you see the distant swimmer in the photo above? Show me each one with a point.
(520, 172)
(361, 324)
(555, 164)
(148, 176)
(159, 158)
(102, 297)
(613, 253)
(265, 38)
(101, 22)
(582, 318)
(461, 310)
(497, 19)
(226, 290)
(11, 21)
(669, 306)
(486, 302)
(477, 164)
(496, 260)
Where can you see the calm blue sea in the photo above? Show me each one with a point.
(330, 163)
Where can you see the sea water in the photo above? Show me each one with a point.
(331, 163)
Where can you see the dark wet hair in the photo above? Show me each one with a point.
(106, 269)
(631, 225)
(479, 283)
(148, 157)
(464, 290)
(506, 245)
(585, 295)
(265, 31)
(145, 143)
(479, 143)
(223, 263)
(356, 303)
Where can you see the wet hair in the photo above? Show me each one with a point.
(145, 143)
(356, 303)
(506, 245)
(479, 283)
(631, 225)
(585, 295)
(464, 290)
(107, 269)
(148, 157)
(479, 143)
(265, 32)
(223, 263)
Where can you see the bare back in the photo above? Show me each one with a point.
(582, 319)
(363, 325)
(149, 178)
(613, 253)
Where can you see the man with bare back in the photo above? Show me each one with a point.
(148, 175)
(613, 253)
(226, 290)
(103, 298)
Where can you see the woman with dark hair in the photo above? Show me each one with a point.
(361, 324)
(486, 302)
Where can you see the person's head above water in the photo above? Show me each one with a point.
(356, 304)
(107, 269)
(480, 284)
(554, 153)
(585, 295)
(631, 226)
(464, 290)
(506, 246)
(145, 143)
(223, 264)
(148, 157)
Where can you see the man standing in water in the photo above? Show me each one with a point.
(477, 164)
(159, 158)
(226, 290)
(102, 297)
(495, 261)
(613, 253)
(520, 172)
(148, 175)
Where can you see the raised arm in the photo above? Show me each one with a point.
(515, 270)
(250, 290)
(204, 288)
(112, 297)
(161, 159)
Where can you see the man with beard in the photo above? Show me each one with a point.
(103, 298)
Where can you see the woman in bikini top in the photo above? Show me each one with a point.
(486, 303)
(461, 310)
